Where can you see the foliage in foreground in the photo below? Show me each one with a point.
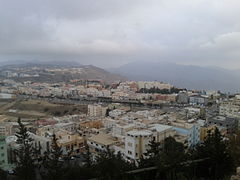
(168, 160)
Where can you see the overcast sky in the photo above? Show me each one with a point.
(110, 33)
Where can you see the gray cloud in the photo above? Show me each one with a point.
(114, 32)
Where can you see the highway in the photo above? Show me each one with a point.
(104, 101)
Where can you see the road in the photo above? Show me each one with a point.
(90, 100)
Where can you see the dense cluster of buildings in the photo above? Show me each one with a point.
(121, 91)
(118, 127)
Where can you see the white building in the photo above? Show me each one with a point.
(96, 111)
(153, 84)
(137, 143)
(5, 129)
(120, 130)
(161, 132)
(3, 154)
(41, 143)
(230, 108)
(70, 126)
(101, 142)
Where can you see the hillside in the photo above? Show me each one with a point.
(57, 72)
(184, 76)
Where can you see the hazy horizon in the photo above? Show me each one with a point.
(15, 62)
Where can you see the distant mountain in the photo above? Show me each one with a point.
(23, 63)
(184, 76)
(93, 72)
(56, 75)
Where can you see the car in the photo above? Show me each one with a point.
(60, 159)
(11, 172)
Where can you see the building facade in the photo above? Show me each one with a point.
(137, 143)
(3, 154)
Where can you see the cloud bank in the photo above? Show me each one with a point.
(114, 32)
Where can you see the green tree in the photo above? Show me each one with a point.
(25, 153)
(170, 158)
(150, 157)
(53, 166)
(167, 156)
(202, 114)
(107, 112)
(82, 172)
(218, 161)
(3, 175)
(77, 172)
(88, 157)
(234, 148)
(111, 166)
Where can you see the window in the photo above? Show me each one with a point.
(47, 146)
(129, 144)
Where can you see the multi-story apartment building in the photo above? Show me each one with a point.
(154, 84)
(230, 124)
(161, 132)
(205, 130)
(230, 108)
(6, 129)
(101, 142)
(70, 126)
(96, 111)
(69, 142)
(198, 100)
(137, 143)
(3, 154)
(120, 130)
(182, 98)
(190, 130)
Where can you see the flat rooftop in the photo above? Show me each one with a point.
(104, 139)
(139, 133)
(160, 127)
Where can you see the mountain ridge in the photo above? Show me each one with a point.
(183, 76)
(85, 72)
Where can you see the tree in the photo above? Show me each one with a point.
(170, 158)
(82, 172)
(151, 155)
(215, 150)
(25, 154)
(111, 166)
(107, 112)
(88, 157)
(3, 175)
(167, 156)
(234, 144)
(202, 114)
(53, 166)
(79, 173)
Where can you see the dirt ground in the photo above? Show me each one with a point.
(34, 109)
